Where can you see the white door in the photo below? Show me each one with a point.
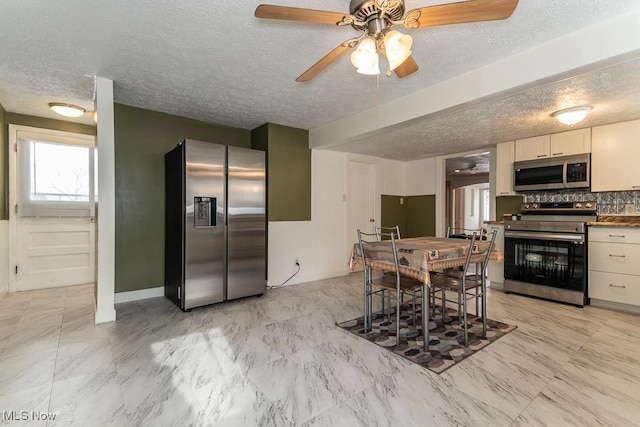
(361, 199)
(52, 207)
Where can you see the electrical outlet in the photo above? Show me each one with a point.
(629, 208)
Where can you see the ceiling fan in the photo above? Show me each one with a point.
(375, 19)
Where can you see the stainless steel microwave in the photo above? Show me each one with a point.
(555, 173)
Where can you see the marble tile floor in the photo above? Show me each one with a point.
(280, 360)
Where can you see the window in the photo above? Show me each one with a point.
(55, 179)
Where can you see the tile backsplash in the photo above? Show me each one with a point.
(610, 203)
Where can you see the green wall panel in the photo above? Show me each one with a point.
(421, 216)
(507, 204)
(288, 171)
(44, 123)
(416, 216)
(142, 137)
(393, 212)
(4, 164)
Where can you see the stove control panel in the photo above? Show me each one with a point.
(559, 207)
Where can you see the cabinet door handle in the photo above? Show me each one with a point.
(557, 154)
(617, 256)
(622, 236)
(617, 286)
(541, 155)
(504, 192)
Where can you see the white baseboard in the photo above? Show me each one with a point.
(105, 316)
(615, 306)
(121, 297)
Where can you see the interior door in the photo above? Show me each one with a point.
(52, 208)
(361, 199)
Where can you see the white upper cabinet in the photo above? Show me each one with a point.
(614, 159)
(555, 145)
(538, 147)
(571, 142)
(505, 155)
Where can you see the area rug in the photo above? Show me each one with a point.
(446, 338)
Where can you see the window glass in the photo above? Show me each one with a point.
(59, 172)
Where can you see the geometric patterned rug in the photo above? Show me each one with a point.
(446, 339)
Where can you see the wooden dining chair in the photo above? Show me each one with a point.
(467, 285)
(386, 284)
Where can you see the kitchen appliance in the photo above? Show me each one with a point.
(375, 20)
(545, 252)
(215, 223)
(553, 173)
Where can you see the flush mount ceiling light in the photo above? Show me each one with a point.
(67, 110)
(571, 116)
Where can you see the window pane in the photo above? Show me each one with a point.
(59, 172)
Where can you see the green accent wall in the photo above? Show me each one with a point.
(4, 164)
(421, 216)
(416, 215)
(507, 204)
(142, 137)
(393, 212)
(44, 123)
(288, 171)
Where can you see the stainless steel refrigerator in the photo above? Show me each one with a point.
(215, 223)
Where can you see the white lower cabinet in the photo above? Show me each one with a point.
(614, 265)
(495, 272)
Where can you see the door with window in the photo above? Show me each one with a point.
(52, 208)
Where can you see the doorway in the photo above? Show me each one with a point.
(361, 199)
(52, 195)
(467, 192)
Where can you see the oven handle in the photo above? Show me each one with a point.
(545, 236)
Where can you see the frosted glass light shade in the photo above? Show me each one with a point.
(67, 110)
(571, 116)
(397, 48)
(365, 57)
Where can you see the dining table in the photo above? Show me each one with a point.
(419, 257)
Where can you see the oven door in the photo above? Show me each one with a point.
(552, 259)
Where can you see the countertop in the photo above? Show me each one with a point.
(616, 221)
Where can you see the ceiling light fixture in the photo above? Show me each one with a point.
(396, 48)
(365, 57)
(571, 116)
(67, 110)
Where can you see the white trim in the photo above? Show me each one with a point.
(615, 306)
(4, 258)
(105, 277)
(121, 297)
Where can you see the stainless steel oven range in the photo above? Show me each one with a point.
(545, 252)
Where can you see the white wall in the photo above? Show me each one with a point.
(473, 216)
(420, 177)
(393, 174)
(4, 258)
(320, 244)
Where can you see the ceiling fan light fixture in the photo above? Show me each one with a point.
(365, 57)
(397, 48)
(571, 116)
(67, 110)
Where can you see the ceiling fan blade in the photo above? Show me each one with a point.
(326, 60)
(408, 67)
(458, 13)
(269, 11)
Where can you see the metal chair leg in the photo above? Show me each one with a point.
(425, 316)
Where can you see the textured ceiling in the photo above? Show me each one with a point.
(214, 61)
